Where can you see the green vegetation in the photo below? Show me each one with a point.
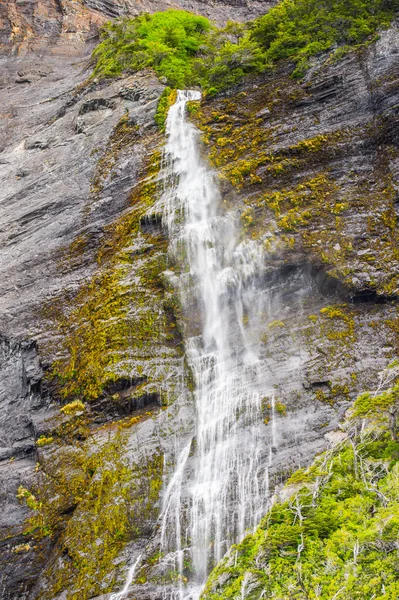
(73, 407)
(95, 501)
(168, 97)
(337, 534)
(100, 331)
(166, 41)
(187, 50)
(182, 47)
(44, 441)
(299, 29)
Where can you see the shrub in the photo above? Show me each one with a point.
(165, 41)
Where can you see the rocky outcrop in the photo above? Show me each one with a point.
(68, 170)
(61, 26)
(220, 11)
(64, 26)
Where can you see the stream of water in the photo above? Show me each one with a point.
(219, 488)
(224, 492)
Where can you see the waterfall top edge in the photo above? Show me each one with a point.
(187, 95)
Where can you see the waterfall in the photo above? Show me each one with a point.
(130, 576)
(221, 490)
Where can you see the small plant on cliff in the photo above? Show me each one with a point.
(167, 98)
(44, 441)
(73, 407)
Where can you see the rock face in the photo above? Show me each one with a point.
(220, 11)
(87, 312)
(63, 26)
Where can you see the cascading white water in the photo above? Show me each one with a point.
(130, 576)
(210, 505)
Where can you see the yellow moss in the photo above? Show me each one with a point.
(281, 408)
(44, 441)
(275, 325)
(339, 207)
(341, 326)
(113, 502)
(21, 548)
(241, 148)
(312, 144)
(110, 315)
(73, 407)
(37, 524)
(295, 207)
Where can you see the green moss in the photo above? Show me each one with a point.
(276, 325)
(167, 98)
(111, 503)
(294, 208)
(340, 324)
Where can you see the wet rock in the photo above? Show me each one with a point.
(96, 104)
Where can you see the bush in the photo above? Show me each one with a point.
(166, 41)
(180, 46)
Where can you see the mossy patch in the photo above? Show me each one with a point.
(300, 196)
(119, 312)
(110, 502)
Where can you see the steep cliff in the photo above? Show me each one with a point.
(63, 26)
(91, 321)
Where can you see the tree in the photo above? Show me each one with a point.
(381, 407)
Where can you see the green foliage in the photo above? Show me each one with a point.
(224, 62)
(382, 409)
(187, 50)
(166, 41)
(299, 29)
(181, 47)
(167, 98)
(336, 536)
